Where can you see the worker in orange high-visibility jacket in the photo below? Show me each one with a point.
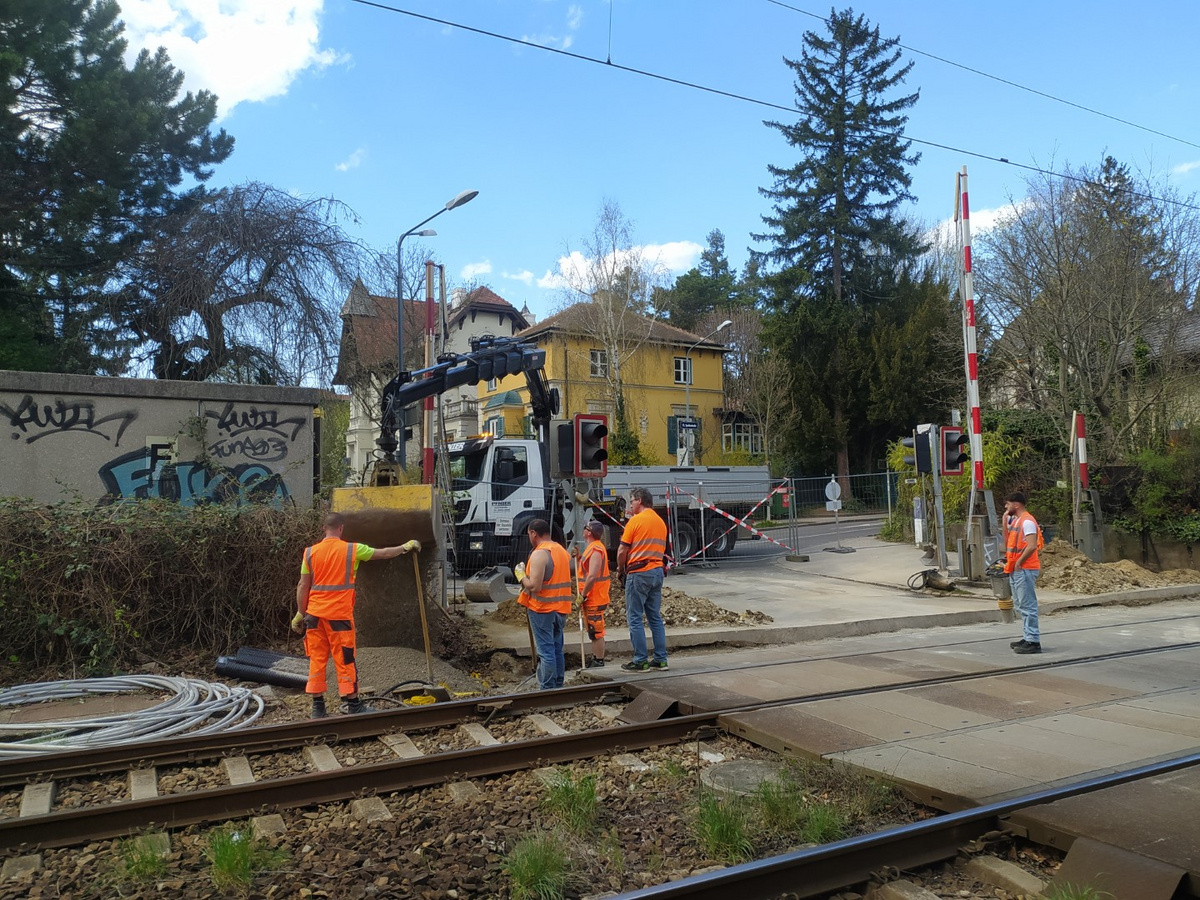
(640, 565)
(1022, 539)
(325, 604)
(546, 593)
(593, 569)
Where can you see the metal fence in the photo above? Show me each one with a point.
(871, 493)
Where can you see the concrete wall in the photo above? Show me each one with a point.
(105, 438)
(1157, 554)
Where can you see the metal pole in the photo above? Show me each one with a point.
(397, 412)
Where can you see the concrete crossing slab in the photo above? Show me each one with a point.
(1147, 718)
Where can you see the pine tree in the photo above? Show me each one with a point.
(836, 244)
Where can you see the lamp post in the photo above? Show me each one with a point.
(687, 389)
(398, 413)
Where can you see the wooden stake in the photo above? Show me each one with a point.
(424, 622)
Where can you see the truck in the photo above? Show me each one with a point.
(499, 485)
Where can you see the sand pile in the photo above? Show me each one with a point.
(1066, 569)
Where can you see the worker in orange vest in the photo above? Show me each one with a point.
(325, 603)
(546, 594)
(593, 566)
(640, 565)
(1022, 539)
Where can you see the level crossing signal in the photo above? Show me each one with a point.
(953, 455)
(920, 457)
(591, 446)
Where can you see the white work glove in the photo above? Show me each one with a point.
(298, 623)
(519, 571)
(409, 546)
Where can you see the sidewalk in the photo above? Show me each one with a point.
(832, 595)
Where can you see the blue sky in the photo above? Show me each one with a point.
(394, 115)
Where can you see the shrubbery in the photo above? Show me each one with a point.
(100, 587)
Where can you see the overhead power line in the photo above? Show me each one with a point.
(1017, 85)
(741, 97)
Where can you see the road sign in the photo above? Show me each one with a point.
(689, 424)
(833, 490)
(833, 505)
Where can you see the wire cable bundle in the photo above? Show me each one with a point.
(196, 707)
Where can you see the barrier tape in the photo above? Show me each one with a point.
(741, 522)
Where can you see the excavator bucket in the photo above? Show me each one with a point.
(386, 610)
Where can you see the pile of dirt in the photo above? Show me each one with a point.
(1066, 569)
(678, 610)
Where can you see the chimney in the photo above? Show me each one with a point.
(457, 295)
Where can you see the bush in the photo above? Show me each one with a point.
(1165, 498)
(100, 587)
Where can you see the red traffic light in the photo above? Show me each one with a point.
(591, 446)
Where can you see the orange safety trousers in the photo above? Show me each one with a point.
(325, 638)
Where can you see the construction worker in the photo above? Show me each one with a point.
(1021, 563)
(640, 566)
(546, 593)
(593, 567)
(325, 603)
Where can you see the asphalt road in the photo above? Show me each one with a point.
(810, 538)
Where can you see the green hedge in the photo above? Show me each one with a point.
(98, 588)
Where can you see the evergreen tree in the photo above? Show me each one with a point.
(702, 290)
(837, 248)
(90, 151)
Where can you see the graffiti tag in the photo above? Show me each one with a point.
(33, 422)
(235, 422)
(138, 476)
(262, 449)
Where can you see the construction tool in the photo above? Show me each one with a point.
(579, 600)
(424, 621)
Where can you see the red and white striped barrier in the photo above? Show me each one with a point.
(1081, 450)
(741, 522)
(962, 216)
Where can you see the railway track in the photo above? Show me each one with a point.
(68, 799)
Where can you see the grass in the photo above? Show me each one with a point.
(785, 810)
(1074, 892)
(538, 868)
(140, 860)
(612, 851)
(723, 828)
(573, 802)
(237, 856)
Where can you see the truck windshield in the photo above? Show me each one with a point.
(466, 469)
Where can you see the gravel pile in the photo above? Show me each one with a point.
(678, 610)
(1066, 569)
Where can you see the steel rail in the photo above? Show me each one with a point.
(75, 826)
(269, 738)
(842, 864)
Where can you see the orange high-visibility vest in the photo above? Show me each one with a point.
(1017, 540)
(600, 594)
(331, 563)
(646, 535)
(555, 595)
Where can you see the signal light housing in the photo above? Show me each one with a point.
(953, 455)
(920, 457)
(591, 445)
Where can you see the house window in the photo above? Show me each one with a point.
(599, 360)
(495, 425)
(683, 370)
(492, 384)
(745, 436)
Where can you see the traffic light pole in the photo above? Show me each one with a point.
(935, 450)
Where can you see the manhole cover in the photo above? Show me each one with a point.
(740, 777)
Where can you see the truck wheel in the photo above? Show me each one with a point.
(723, 545)
(684, 544)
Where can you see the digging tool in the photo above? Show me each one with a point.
(424, 621)
(579, 600)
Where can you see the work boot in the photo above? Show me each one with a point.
(660, 664)
(356, 706)
(594, 663)
(642, 666)
(318, 710)
(1028, 647)
(1021, 643)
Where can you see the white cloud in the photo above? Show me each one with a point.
(1185, 168)
(353, 161)
(525, 277)
(241, 50)
(473, 270)
(945, 233)
(574, 270)
(564, 42)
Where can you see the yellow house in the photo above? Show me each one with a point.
(660, 370)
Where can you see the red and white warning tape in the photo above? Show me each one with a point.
(741, 522)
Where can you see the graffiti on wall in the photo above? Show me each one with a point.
(32, 422)
(145, 474)
(254, 433)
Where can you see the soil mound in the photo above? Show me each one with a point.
(1066, 569)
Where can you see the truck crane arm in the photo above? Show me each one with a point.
(490, 357)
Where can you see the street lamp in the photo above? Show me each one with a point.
(398, 413)
(687, 389)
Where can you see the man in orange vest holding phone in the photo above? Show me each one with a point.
(1021, 563)
(325, 600)
(546, 593)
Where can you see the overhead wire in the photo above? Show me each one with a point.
(608, 63)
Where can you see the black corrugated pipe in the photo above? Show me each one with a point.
(247, 672)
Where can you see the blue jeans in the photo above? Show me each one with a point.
(1025, 602)
(548, 639)
(643, 600)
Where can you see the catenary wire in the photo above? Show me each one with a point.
(1017, 85)
(1066, 176)
(196, 707)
